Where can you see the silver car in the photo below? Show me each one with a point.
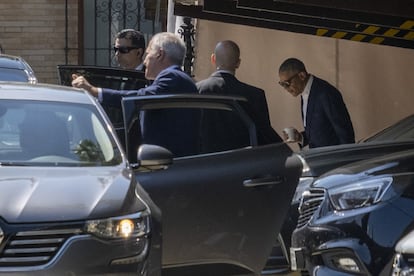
(69, 202)
(14, 68)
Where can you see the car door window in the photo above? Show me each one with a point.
(190, 130)
(222, 130)
(172, 128)
(7, 74)
(194, 131)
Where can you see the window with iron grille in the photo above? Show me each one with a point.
(102, 19)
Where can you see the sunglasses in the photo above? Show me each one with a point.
(124, 49)
(288, 82)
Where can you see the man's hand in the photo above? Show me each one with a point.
(80, 82)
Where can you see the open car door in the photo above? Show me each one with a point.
(221, 210)
(108, 77)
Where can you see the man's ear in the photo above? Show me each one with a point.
(237, 65)
(303, 75)
(213, 59)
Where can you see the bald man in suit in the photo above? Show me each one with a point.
(226, 59)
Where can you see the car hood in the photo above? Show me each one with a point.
(323, 159)
(36, 194)
(391, 164)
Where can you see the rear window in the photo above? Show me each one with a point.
(8, 74)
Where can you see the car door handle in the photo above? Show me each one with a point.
(263, 181)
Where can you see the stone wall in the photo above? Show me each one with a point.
(36, 31)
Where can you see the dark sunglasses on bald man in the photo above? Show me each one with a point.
(124, 49)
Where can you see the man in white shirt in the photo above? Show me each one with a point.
(325, 117)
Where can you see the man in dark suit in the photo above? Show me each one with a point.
(164, 56)
(226, 59)
(325, 117)
(174, 130)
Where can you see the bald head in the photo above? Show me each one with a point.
(227, 55)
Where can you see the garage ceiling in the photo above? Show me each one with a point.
(379, 22)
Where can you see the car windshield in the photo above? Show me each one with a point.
(10, 74)
(63, 134)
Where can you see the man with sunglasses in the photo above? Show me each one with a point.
(163, 60)
(129, 49)
(177, 130)
(324, 114)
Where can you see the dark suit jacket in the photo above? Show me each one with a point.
(256, 107)
(171, 80)
(327, 118)
(176, 130)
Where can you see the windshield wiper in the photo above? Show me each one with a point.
(12, 164)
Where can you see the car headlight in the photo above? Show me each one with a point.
(303, 185)
(359, 194)
(130, 226)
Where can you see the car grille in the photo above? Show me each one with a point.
(33, 248)
(309, 203)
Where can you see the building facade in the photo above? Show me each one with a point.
(47, 33)
(43, 32)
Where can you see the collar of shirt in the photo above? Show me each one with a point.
(225, 71)
(306, 90)
(140, 67)
(171, 67)
(305, 96)
(174, 66)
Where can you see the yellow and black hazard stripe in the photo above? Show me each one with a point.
(401, 36)
(363, 25)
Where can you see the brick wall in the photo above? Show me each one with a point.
(35, 30)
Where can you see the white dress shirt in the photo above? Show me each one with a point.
(305, 97)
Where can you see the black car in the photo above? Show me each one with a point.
(352, 217)
(396, 137)
(403, 262)
(221, 210)
(317, 161)
(69, 201)
(14, 68)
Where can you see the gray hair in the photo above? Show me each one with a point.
(171, 44)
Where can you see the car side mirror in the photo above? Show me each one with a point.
(153, 157)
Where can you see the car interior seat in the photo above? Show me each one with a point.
(43, 133)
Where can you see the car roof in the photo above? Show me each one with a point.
(44, 92)
(15, 62)
(401, 129)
